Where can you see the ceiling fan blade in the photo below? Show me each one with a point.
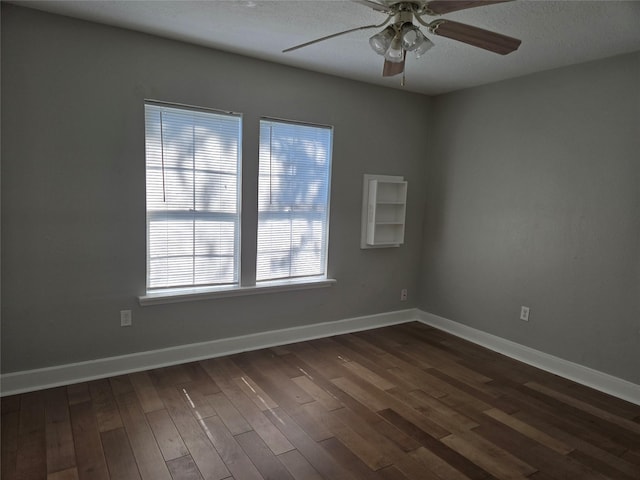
(306, 44)
(392, 68)
(376, 6)
(440, 7)
(478, 37)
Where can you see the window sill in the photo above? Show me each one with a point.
(193, 294)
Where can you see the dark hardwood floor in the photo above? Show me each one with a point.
(402, 402)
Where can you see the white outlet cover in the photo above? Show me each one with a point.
(125, 318)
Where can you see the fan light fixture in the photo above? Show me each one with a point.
(381, 42)
(393, 41)
(422, 48)
(395, 53)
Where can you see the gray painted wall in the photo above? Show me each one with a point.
(534, 199)
(531, 197)
(73, 201)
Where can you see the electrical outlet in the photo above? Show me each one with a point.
(403, 295)
(524, 314)
(125, 318)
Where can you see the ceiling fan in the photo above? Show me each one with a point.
(402, 36)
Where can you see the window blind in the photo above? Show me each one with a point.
(192, 190)
(293, 200)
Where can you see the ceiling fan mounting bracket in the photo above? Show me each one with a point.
(403, 16)
(433, 26)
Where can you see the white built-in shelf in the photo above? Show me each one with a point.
(384, 203)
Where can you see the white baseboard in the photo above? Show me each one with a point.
(38, 379)
(580, 374)
(30, 380)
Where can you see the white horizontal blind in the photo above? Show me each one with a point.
(192, 167)
(293, 200)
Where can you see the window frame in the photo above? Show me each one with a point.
(327, 204)
(246, 277)
(190, 214)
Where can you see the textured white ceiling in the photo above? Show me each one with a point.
(553, 33)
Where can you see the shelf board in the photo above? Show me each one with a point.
(383, 211)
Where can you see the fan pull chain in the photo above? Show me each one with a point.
(404, 66)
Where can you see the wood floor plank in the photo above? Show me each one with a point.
(200, 379)
(78, 393)
(292, 401)
(61, 453)
(315, 422)
(366, 350)
(436, 411)
(236, 460)
(372, 399)
(369, 376)
(166, 435)
(9, 442)
(378, 400)
(146, 391)
(605, 469)
(229, 414)
(601, 400)
(31, 456)
(531, 432)
(170, 376)
(488, 456)
(534, 454)
(623, 423)
(463, 397)
(149, 459)
(452, 457)
(364, 448)
(555, 413)
(255, 393)
(298, 466)
(262, 457)
(121, 384)
(202, 451)
(384, 447)
(200, 406)
(321, 380)
(10, 404)
(416, 378)
(322, 396)
(389, 440)
(391, 473)
(316, 455)
(266, 370)
(632, 457)
(104, 405)
(117, 451)
(90, 458)
(592, 450)
(184, 468)
(484, 391)
(355, 467)
(276, 441)
(311, 355)
(69, 474)
(437, 465)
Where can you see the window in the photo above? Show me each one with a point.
(293, 200)
(193, 191)
(193, 224)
